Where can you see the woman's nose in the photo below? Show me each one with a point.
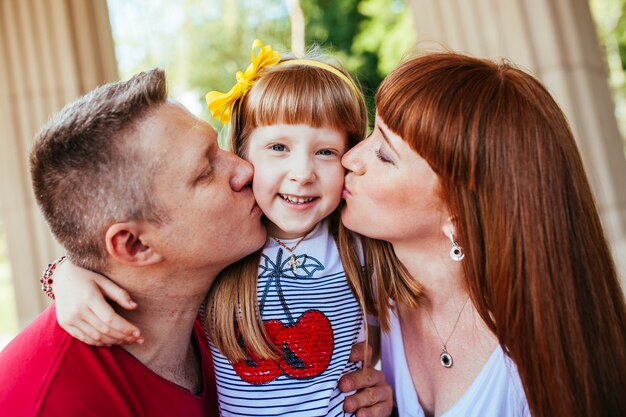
(353, 161)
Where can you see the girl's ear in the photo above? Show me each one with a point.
(126, 244)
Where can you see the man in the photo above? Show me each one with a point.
(133, 186)
(136, 188)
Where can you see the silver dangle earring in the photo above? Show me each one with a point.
(456, 251)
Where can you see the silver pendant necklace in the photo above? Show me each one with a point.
(445, 358)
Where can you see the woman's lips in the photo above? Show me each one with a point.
(345, 192)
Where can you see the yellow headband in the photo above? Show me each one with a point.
(324, 66)
(221, 104)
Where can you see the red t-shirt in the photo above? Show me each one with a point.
(45, 372)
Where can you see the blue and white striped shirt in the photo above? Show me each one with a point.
(312, 315)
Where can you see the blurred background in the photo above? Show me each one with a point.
(52, 51)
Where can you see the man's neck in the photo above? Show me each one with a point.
(166, 318)
(168, 348)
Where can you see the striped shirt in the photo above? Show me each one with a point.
(312, 315)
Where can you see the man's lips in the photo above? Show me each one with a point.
(256, 210)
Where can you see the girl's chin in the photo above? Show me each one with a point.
(286, 232)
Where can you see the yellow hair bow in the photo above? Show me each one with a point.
(221, 104)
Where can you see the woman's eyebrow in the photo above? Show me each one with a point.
(388, 141)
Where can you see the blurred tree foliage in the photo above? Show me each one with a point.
(369, 36)
(202, 44)
(610, 18)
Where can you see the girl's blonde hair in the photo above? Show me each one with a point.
(289, 94)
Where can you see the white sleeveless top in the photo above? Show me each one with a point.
(496, 391)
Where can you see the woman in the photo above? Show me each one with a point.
(473, 176)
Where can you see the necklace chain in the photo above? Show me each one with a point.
(281, 243)
(293, 262)
(445, 357)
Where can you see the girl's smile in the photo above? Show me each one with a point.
(298, 177)
(296, 200)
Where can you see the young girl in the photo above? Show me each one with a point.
(283, 320)
(293, 124)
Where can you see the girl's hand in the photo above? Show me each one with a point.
(373, 397)
(83, 311)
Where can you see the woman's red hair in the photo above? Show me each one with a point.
(537, 264)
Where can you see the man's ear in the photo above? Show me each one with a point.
(126, 244)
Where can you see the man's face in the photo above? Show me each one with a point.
(211, 218)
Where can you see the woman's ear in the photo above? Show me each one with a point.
(448, 228)
(126, 244)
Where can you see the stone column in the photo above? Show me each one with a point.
(51, 52)
(555, 40)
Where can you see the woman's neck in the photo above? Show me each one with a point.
(429, 262)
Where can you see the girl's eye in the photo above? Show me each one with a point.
(278, 148)
(325, 152)
(380, 155)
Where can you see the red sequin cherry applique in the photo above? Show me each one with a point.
(304, 350)
(259, 371)
(304, 347)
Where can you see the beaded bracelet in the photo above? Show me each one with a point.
(46, 278)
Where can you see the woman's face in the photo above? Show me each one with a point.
(391, 191)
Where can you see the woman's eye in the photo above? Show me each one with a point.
(278, 148)
(326, 152)
(380, 155)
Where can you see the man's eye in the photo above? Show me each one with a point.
(206, 174)
(278, 148)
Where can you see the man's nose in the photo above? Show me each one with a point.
(242, 172)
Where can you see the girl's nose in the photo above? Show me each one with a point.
(302, 172)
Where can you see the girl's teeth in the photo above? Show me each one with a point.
(296, 200)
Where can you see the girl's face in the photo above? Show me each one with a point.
(298, 176)
(390, 190)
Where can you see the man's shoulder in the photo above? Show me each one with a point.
(30, 362)
(37, 345)
(46, 372)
